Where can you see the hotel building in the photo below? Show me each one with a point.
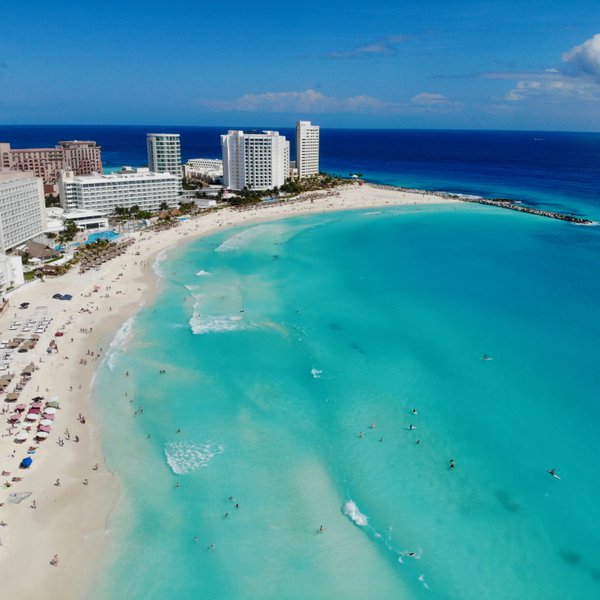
(307, 149)
(255, 160)
(164, 153)
(81, 157)
(124, 189)
(22, 208)
(207, 167)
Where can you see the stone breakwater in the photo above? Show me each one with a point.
(498, 202)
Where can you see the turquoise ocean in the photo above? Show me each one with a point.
(295, 353)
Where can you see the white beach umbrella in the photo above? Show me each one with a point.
(31, 417)
(47, 422)
(21, 436)
(49, 411)
(42, 435)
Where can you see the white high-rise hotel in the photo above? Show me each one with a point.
(164, 153)
(307, 149)
(256, 160)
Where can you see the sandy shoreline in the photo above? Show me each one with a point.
(70, 520)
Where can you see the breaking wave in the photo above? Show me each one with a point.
(119, 342)
(351, 510)
(160, 258)
(202, 273)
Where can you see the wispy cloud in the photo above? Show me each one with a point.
(382, 47)
(313, 101)
(304, 101)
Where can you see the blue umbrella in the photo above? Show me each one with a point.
(26, 462)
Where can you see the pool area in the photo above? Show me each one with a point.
(110, 235)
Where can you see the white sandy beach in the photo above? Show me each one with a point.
(70, 520)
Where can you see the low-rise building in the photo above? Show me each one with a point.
(22, 208)
(129, 187)
(203, 167)
(86, 220)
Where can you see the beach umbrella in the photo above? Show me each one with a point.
(34, 410)
(14, 417)
(26, 462)
(41, 435)
(49, 411)
(52, 404)
(46, 422)
(28, 370)
(31, 417)
(36, 405)
(37, 398)
(21, 436)
(44, 428)
(12, 397)
(20, 407)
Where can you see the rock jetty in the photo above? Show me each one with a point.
(498, 202)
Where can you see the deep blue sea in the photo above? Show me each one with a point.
(325, 370)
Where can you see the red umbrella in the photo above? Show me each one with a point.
(34, 411)
(51, 417)
(36, 405)
(14, 418)
(44, 428)
(20, 407)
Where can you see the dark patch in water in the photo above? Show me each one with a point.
(570, 557)
(275, 256)
(336, 327)
(507, 502)
(595, 573)
(357, 347)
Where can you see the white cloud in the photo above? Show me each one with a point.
(428, 99)
(305, 101)
(310, 100)
(381, 47)
(585, 58)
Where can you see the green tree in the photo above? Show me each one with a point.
(69, 232)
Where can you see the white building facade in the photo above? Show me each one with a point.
(255, 160)
(124, 189)
(207, 167)
(307, 148)
(164, 153)
(11, 272)
(22, 208)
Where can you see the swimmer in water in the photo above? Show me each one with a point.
(552, 472)
(361, 434)
(414, 411)
(411, 427)
(372, 425)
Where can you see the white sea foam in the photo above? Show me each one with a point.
(238, 240)
(316, 373)
(202, 273)
(119, 343)
(184, 457)
(351, 510)
(160, 258)
(213, 324)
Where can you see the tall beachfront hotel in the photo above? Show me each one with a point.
(255, 160)
(22, 208)
(164, 153)
(307, 149)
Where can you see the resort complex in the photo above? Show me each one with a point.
(81, 157)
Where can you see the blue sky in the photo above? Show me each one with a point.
(421, 64)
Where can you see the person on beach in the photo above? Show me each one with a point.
(54, 560)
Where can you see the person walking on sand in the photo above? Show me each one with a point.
(54, 561)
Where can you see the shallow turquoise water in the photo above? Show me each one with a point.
(282, 341)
